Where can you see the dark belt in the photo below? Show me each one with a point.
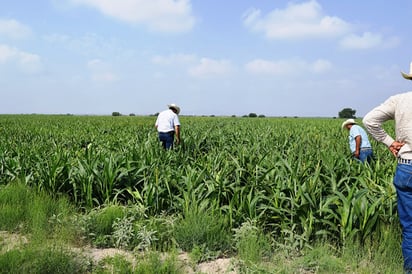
(169, 132)
(404, 161)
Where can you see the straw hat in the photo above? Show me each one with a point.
(348, 122)
(406, 75)
(174, 106)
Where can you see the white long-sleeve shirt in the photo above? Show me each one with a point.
(398, 108)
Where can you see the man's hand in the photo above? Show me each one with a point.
(395, 147)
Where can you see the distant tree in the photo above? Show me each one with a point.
(252, 114)
(262, 116)
(132, 114)
(116, 113)
(347, 113)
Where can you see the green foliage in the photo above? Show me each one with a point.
(202, 253)
(105, 218)
(115, 264)
(378, 254)
(290, 175)
(347, 113)
(163, 226)
(127, 227)
(99, 224)
(153, 263)
(252, 245)
(202, 227)
(15, 200)
(148, 263)
(25, 210)
(45, 259)
(123, 232)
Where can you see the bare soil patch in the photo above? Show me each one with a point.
(9, 241)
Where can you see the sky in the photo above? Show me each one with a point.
(211, 57)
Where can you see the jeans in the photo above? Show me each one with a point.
(166, 138)
(365, 155)
(403, 185)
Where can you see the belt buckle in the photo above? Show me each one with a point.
(404, 161)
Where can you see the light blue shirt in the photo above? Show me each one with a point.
(356, 131)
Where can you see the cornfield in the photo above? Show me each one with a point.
(293, 176)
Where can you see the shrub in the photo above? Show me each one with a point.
(251, 243)
(163, 226)
(46, 259)
(99, 224)
(28, 211)
(14, 200)
(202, 227)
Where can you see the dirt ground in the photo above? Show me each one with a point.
(9, 241)
(218, 266)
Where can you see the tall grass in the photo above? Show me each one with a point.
(45, 259)
(201, 230)
(293, 176)
(24, 210)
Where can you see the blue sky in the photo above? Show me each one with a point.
(211, 57)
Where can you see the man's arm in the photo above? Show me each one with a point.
(177, 132)
(358, 141)
(375, 118)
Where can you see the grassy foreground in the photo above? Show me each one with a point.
(48, 235)
(275, 195)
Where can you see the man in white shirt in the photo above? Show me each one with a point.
(168, 126)
(398, 108)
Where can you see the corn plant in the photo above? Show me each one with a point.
(293, 176)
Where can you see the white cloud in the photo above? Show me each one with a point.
(90, 44)
(24, 61)
(286, 67)
(57, 38)
(101, 72)
(211, 68)
(260, 66)
(174, 59)
(14, 29)
(7, 53)
(368, 40)
(320, 66)
(296, 21)
(157, 15)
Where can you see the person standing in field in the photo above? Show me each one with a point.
(168, 126)
(399, 109)
(359, 144)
